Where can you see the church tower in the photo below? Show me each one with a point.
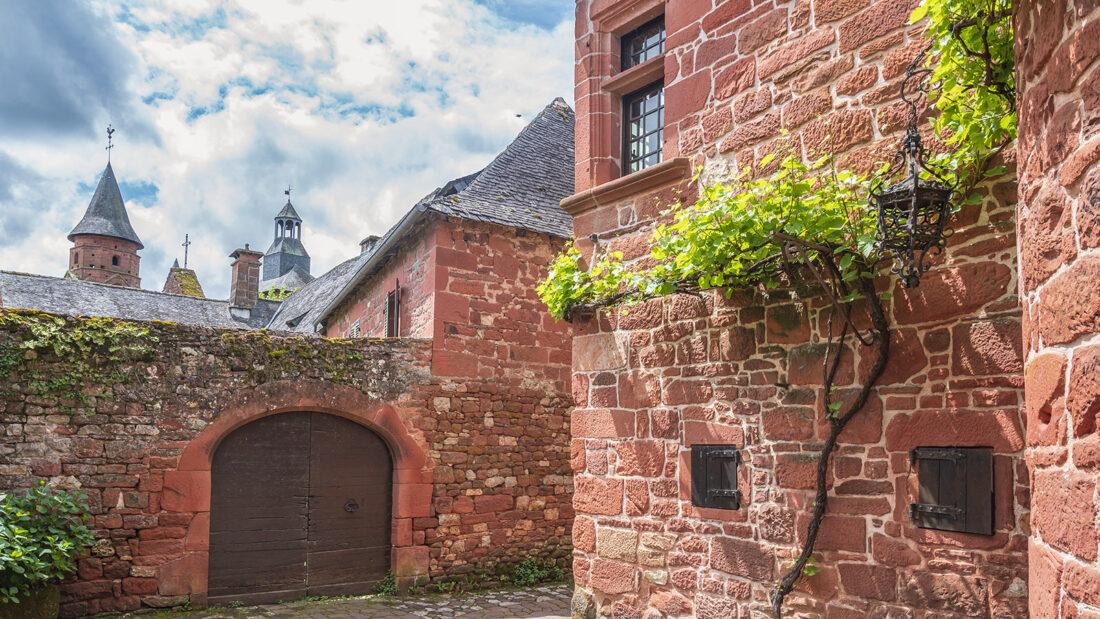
(105, 246)
(286, 263)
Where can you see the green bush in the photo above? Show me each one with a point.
(41, 533)
(529, 572)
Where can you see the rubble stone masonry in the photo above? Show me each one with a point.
(481, 473)
(744, 79)
(1058, 53)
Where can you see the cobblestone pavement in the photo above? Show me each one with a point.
(547, 602)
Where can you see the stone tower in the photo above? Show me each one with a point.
(286, 253)
(105, 246)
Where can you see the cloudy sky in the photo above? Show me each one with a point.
(362, 105)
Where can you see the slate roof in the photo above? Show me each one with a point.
(288, 212)
(302, 310)
(522, 188)
(293, 279)
(288, 245)
(72, 297)
(106, 214)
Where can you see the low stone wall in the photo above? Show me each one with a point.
(131, 413)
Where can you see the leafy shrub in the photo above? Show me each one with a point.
(41, 532)
(738, 234)
(530, 572)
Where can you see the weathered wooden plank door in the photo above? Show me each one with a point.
(259, 510)
(300, 504)
(348, 545)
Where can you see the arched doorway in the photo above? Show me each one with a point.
(301, 504)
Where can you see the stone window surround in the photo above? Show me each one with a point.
(617, 20)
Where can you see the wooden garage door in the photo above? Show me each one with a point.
(300, 505)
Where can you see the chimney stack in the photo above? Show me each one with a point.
(244, 288)
(367, 244)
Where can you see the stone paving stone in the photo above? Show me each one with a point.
(546, 602)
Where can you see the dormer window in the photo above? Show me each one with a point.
(643, 43)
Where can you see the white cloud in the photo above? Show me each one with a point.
(362, 106)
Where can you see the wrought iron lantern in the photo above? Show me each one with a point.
(914, 209)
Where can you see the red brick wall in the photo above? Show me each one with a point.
(90, 259)
(489, 320)
(1058, 48)
(743, 78)
(470, 286)
(413, 265)
(481, 470)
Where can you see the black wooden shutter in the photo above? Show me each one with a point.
(714, 476)
(956, 489)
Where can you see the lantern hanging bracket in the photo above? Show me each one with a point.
(912, 199)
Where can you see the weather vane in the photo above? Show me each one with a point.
(287, 191)
(186, 248)
(110, 134)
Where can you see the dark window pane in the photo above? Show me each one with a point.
(648, 41)
(643, 120)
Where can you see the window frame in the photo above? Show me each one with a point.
(627, 159)
(647, 52)
(392, 313)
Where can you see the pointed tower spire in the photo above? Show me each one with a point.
(105, 245)
(106, 214)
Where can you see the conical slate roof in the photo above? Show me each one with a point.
(288, 212)
(106, 214)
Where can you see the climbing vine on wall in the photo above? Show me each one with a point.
(70, 359)
(973, 84)
(810, 223)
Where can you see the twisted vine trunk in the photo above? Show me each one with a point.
(836, 426)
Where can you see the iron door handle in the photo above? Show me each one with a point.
(350, 506)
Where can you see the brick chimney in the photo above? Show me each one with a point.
(367, 244)
(244, 288)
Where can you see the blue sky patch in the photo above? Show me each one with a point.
(545, 14)
(139, 192)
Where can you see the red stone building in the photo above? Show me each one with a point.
(664, 87)
(427, 436)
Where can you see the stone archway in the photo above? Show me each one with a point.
(187, 488)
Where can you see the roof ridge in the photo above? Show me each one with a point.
(116, 286)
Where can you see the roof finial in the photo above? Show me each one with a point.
(110, 134)
(186, 248)
(286, 192)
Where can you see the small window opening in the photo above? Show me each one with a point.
(114, 261)
(393, 311)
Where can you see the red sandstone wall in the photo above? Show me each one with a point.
(1058, 47)
(741, 79)
(490, 322)
(481, 470)
(90, 259)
